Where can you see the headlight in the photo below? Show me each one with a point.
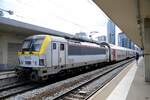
(41, 62)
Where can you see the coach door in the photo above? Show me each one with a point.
(55, 55)
(62, 54)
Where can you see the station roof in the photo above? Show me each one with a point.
(13, 26)
(127, 14)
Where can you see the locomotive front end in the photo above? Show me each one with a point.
(32, 56)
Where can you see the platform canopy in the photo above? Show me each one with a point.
(128, 15)
(13, 26)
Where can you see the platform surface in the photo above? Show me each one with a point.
(128, 85)
(139, 90)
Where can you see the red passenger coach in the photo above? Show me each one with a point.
(120, 53)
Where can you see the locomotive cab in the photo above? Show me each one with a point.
(30, 54)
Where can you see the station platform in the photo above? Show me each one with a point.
(129, 84)
(5, 68)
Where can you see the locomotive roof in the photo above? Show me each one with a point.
(60, 39)
(36, 36)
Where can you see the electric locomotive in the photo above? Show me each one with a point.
(44, 55)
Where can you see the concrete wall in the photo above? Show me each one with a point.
(5, 40)
(3, 48)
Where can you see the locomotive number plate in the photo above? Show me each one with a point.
(27, 57)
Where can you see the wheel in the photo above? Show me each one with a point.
(44, 78)
(19, 74)
(34, 76)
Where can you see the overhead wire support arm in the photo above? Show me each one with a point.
(8, 11)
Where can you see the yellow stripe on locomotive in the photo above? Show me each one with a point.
(42, 49)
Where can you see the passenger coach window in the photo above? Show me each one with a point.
(61, 46)
(54, 45)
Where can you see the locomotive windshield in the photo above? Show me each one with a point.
(32, 44)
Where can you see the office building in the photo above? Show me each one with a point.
(111, 32)
(124, 41)
(101, 38)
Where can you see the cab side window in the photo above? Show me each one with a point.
(62, 47)
(54, 45)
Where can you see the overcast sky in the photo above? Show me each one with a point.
(69, 16)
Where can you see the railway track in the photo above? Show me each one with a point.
(87, 89)
(7, 78)
(7, 81)
(78, 87)
(16, 88)
(8, 74)
(12, 85)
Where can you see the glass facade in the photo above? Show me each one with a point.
(101, 38)
(124, 41)
(111, 32)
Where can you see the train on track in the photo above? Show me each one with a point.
(44, 55)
